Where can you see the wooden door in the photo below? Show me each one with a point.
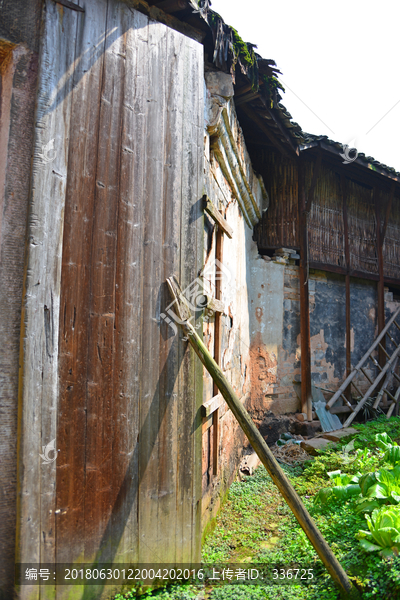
(115, 210)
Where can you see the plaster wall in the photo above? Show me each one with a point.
(275, 332)
(235, 344)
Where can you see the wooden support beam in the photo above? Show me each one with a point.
(215, 305)
(366, 374)
(338, 410)
(353, 272)
(288, 492)
(217, 217)
(172, 6)
(217, 347)
(169, 20)
(209, 407)
(282, 129)
(381, 284)
(251, 114)
(348, 267)
(368, 394)
(269, 113)
(359, 365)
(306, 392)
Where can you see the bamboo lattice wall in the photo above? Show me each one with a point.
(391, 245)
(280, 228)
(279, 225)
(325, 231)
(362, 228)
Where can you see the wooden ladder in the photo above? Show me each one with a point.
(385, 374)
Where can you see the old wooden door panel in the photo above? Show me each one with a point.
(39, 351)
(127, 109)
(76, 283)
(139, 494)
(189, 448)
(128, 292)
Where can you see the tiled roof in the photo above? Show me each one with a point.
(309, 141)
(232, 55)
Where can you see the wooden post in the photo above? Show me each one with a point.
(380, 238)
(264, 453)
(306, 393)
(381, 284)
(217, 347)
(348, 306)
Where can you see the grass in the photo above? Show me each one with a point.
(256, 526)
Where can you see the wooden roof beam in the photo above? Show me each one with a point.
(252, 115)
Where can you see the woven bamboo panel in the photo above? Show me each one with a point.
(278, 228)
(362, 228)
(325, 226)
(391, 245)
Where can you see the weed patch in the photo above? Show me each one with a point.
(256, 526)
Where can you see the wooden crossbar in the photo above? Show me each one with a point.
(367, 355)
(372, 387)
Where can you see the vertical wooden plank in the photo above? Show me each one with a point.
(129, 288)
(41, 310)
(101, 335)
(172, 386)
(348, 266)
(189, 472)
(76, 282)
(348, 329)
(198, 221)
(217, 347)
(381, 284)
(152, 261)
(304, 297)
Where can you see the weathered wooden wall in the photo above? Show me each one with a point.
(112, 215)
(19, 46)
(279, 226)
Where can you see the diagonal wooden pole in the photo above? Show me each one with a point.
(264, 453)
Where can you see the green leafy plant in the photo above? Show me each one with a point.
(392, 449)
(384, 531)
(381, 487)
(383, 441)
(344, 487)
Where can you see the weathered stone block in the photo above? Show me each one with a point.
(311, 446)
(340, 434)
(220, 84)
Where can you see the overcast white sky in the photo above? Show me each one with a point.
(340, 64)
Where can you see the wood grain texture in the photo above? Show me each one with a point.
(149, 410)
(76, 284)
(189, 475)
(218, 218)
(129, 297)
(125, 393)
(19, 25)
(39, 378)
